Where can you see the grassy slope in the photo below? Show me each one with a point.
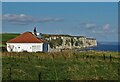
(60, 66)
(7, 36)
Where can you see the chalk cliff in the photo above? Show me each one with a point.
(69, 42)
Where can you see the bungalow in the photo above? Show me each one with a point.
(28, 42)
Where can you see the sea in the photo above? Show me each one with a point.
(106, 46)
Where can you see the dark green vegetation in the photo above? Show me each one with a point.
(49, 35)
(67, 65)
(55, 42)
(7, 36)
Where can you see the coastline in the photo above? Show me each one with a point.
(106, 46)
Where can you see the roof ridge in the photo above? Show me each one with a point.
(26, 37)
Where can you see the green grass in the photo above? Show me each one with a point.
(60, 66)
(7, 36)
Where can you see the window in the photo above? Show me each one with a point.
(36, 48)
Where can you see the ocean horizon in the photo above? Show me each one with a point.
(106, 46)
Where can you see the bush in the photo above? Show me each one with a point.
(55, 42)
(3, 49)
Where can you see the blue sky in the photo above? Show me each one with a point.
(92, 19)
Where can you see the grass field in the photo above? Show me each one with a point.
(66, 65)
(7, 36)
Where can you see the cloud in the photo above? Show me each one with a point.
(50, 20)
(88, 25)
(104, 30)
(23, 19)
(18, 19)
(106, 27)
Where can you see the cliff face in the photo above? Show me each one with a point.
(69, 42)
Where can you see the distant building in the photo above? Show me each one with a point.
(28, 42)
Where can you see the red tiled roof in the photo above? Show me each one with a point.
(26, 37)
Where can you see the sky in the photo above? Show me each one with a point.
(91, 19)
(60, 1)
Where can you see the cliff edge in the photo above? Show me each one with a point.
(69, 42)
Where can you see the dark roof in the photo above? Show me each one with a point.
(26, 37)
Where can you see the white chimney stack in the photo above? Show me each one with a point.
(39, 35)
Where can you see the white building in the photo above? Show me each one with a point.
(27, 42)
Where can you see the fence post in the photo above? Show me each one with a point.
(39, 75)
(87, 56)
(28, 58)
(104, 56)
(110, 58)
(83, 56)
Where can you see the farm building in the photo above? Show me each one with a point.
(28, 42)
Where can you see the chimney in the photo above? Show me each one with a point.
(35, 32)
(40, 35)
